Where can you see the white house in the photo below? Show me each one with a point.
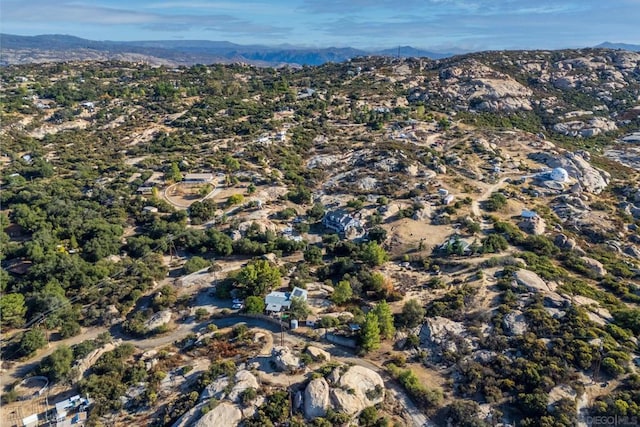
(527, 214)
(276, 301)
(342, 222)
(448, 199)
(198, 178)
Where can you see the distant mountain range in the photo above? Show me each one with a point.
(625, 46)
(55, 47)
(52, 47)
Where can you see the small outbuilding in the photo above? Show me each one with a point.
(198, 178)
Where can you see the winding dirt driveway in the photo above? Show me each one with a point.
(19, 371)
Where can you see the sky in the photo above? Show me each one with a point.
(439, 25)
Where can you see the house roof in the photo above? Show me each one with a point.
(274, 307)
(299, 293)
(341, 218)
(198, 177)
(277, 299)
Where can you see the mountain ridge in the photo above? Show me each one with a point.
(186, 52)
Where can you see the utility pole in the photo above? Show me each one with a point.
(290, 401)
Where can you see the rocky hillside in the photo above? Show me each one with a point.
(461, 236)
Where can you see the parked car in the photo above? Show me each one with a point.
(237, 306)
(238, 301)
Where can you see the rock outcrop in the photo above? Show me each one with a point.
(359, 388)
(316, 398)
(595, 266)
(515, 323)
(157, 320)
(284, 359)
(535, 225)
(216, 389)
(482, 88)
(318, 354)
(586, 129)
(441, 334)
(243, 380)
(591, 179)
(225, 414)
(532, 282)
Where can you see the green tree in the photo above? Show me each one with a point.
(299, 308)
(385, 319)
(313, 255)
(254, 305)
(205, 189)
(368, 417)
(377, 234)
(316, 213)
(464, 413)
(495, 202)
(370, 333)
(258, 277)
(219, 242)
(301, 195)
(31, 341)
(373, 254)
(494, 243)
(12, 310)
(231, 164)
(412, 314)
(173, 173)
(200, 212)
(194, 264)
(235, 199)
(342, 292)
(57, 366)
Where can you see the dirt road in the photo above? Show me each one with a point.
(183, 329)
(475, 204)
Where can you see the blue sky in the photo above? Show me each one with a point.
(431, 24)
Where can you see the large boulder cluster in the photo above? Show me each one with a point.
(347, 392)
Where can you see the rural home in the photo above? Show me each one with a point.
(198, 178)
(276, 301)
(342, 222)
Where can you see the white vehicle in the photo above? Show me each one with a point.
(237, 306)
(238, 301)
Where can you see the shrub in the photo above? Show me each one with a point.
(248, 396)
(194, 264)
(235, 199)
(425, 397)
(495, 202)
